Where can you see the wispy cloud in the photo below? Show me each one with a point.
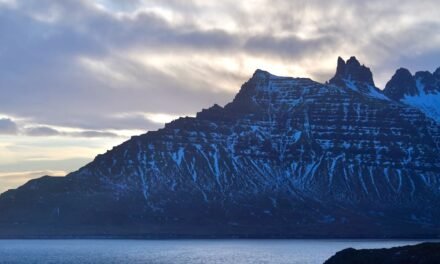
(10, 127)
(49, 131)
(93, 60)
(41, 131)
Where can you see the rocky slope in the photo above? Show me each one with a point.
(425, 253)
(287, 157)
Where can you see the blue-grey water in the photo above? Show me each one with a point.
(180, 251)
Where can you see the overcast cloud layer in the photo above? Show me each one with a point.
(96, 72)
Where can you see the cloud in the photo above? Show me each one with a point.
(93, 134)
(92, 61)
(49, 131)
(7, 126)
(286, 47)
(41, 131)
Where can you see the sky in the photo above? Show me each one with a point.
(80, 76)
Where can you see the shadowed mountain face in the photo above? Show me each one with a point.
(401, 84)
(287, 157)
(421, 90)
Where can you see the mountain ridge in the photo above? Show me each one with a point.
(287, 157)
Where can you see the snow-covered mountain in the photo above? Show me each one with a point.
(287, 157)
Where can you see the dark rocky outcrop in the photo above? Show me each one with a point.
(425, 253)
(352, 70)
(401, 84)
(357, 77)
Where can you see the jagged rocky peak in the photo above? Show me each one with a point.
(357, 77)
(260, 74)
(212, 112)
(421, 90)
(264, 90)
(352, 71)
(402, 83)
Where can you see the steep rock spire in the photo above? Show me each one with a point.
(352, 71)
(356, 77)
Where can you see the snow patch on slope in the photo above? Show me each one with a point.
(427, 103)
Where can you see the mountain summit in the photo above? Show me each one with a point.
(352, 71)
(287, 157)
(401, 84)
(353, 75)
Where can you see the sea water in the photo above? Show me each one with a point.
(215, 251)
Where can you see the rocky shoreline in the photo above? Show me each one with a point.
(424, 253)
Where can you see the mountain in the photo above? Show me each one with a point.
(421, 90)
(288, 157)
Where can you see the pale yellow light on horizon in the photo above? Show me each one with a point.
(12, 180)
(26, 148)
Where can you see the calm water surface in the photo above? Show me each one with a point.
(180, 251)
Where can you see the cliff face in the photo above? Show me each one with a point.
(287, 157)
